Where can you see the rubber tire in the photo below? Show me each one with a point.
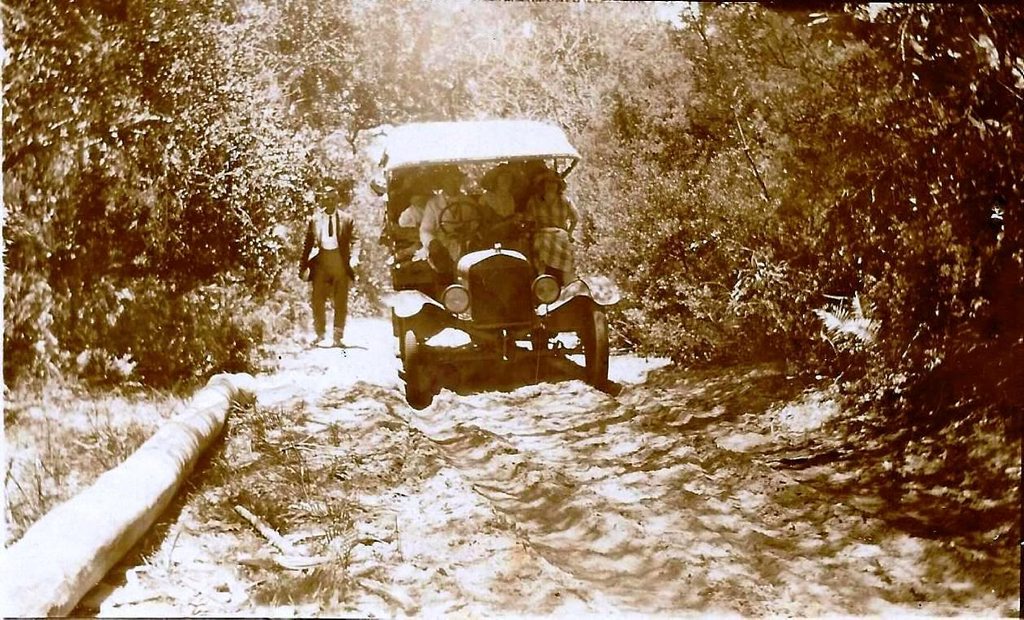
(595, 349)
(417, 383)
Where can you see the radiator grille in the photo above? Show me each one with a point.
(499, 288)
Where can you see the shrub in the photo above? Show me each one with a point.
(181, 338)
(30, 348)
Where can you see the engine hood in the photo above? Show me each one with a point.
(472, 259)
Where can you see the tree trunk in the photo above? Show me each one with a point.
(64, 554)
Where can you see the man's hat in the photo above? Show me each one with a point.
(342, 186)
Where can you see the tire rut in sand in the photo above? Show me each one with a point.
(668, 499)
(593, 494)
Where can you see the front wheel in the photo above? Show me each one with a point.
(595, 349)
(400, 330)
(417, 380)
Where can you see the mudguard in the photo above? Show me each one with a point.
(409, 303)
(577, 301)
(600, 289)
(419, 312)
(603, 289)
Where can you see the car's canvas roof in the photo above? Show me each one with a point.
(419, 144)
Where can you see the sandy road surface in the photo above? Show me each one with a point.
(672, 497)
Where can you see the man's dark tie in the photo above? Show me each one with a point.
(330, 225)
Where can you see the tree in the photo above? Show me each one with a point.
(138, 166)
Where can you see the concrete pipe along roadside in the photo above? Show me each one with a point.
(68, 551)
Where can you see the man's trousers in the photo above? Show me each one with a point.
(330, 281)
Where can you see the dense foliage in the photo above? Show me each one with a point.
(138, 168)
(840, 190)
(865, 167)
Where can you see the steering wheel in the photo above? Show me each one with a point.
(460, 219)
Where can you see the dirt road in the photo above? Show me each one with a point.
(683, 493)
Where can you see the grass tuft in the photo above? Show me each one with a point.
(60, 443)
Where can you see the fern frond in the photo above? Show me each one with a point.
(852, 320)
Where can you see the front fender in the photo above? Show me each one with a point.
(600, 290)
(419, 312)
(576, 304)
(603, 289)
(569, 314)
(405, 304)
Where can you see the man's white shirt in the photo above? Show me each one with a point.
(328, 241)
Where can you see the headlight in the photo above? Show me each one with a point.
(546, 289)
(455, 299)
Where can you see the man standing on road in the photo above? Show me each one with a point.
(327, 258)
